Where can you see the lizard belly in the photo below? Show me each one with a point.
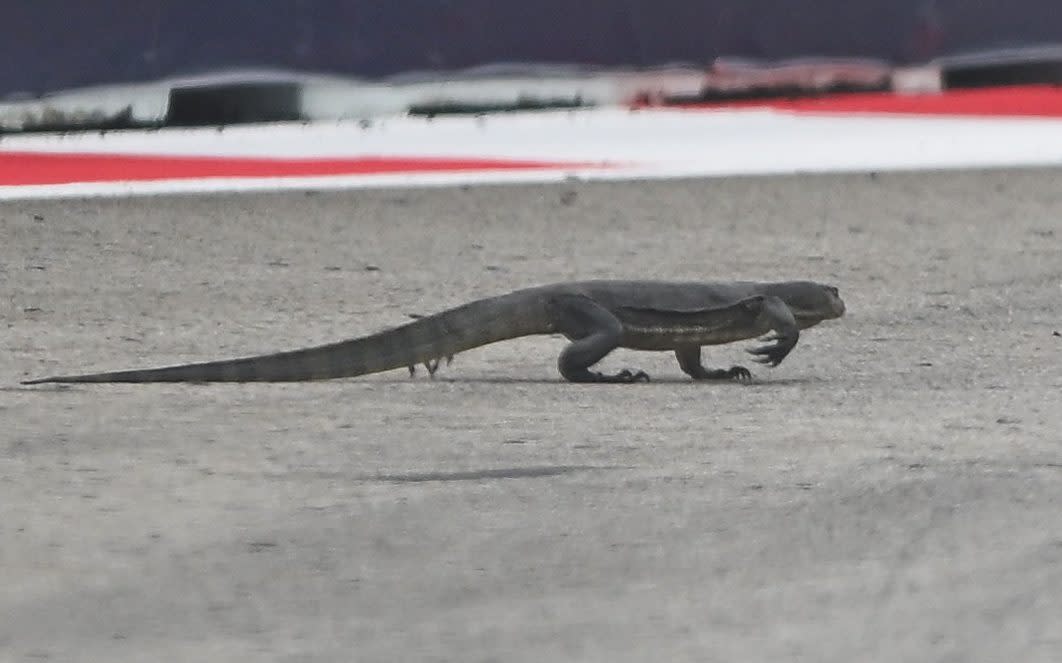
(661, 337)
(663, 329)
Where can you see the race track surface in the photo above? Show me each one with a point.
(892, 492)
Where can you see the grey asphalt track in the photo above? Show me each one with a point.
(892, 492)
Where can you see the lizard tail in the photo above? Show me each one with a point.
(424, 340)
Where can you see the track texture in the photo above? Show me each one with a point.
(892, 492)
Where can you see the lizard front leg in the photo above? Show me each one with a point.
(594, 332)
(777, 317)
(689, 359)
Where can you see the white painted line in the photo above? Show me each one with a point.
(640, 144)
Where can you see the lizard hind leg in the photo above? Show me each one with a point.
(432, 365)
(594, 332)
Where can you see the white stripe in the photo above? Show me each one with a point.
(643, 144)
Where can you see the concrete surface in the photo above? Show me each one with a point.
(892, 492)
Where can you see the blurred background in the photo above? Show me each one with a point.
(253, 60)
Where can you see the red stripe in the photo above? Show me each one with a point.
(17, 168)
(1015, 101)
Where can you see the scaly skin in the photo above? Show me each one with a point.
(597, 316)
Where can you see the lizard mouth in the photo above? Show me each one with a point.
(839, 308)
(805, 320)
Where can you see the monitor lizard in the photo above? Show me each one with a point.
(596, 316)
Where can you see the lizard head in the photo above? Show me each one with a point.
(810, 302)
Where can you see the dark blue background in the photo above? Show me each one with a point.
(54, 44)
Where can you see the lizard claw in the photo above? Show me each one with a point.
(739, 373)
(772, 354)
(626, 375)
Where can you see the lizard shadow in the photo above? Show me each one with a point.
(667, 380)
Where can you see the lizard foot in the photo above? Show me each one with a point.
(626, 376)
(772, 354)
(736, 373)
(739, 373)
(733, 373)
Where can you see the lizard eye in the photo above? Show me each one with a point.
(835, 291)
